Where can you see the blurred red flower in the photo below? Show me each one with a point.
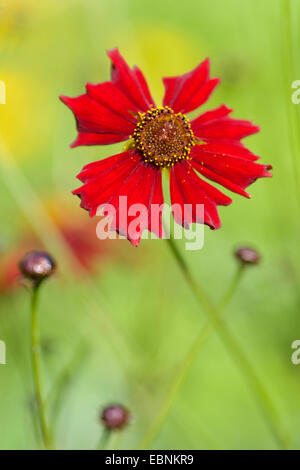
(9, 271)
(161, 138)
(85, 248)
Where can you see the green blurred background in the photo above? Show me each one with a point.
(116, 320)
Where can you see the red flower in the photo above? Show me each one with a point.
(161, 138)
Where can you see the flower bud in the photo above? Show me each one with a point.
(37, 266)
(247, 255)
(115, 417)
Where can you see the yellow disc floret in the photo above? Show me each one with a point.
(163, 137)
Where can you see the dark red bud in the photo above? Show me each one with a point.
(247, 255)
(37, 265)
(115, 417)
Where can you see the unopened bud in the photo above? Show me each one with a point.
(247, 255)
(115, 417)
(37, 265)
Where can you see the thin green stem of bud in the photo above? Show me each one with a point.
(104, 439)
(260, 394)
(36, 365)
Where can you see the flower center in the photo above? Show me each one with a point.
(163, 137)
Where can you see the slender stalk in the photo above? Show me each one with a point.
(201, 296)
(232, 288)
(36, 365)
(64, 381)
(104, 439)
(190, 357)
(261, 395)
(117, 441)
(288, 73)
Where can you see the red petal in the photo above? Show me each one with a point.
(216, 124)
(143, 83)
(146, 190)
(187, 188)
(87, 138)
(95, 119)
(213, 114)
(187, 92)
(211, 175)
(233, 172)
(126, 79)
(127, 175)
(113, 98)
(201, 96)
(179, 89)
(102, 167)
(234, 148)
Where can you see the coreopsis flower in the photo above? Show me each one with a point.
(161, 138)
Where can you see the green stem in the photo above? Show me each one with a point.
(104, 439)
(232, 288)
(192, 353)
(288, 71)
(64, 381)
(215, 321)
(36, 365)
(201, 296)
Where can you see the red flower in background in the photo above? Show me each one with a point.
(161, 138)
(87, 256)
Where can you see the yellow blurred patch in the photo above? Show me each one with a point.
(15, 15)
(159, 52)
(23, 119)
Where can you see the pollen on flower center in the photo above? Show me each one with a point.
(163, 137)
